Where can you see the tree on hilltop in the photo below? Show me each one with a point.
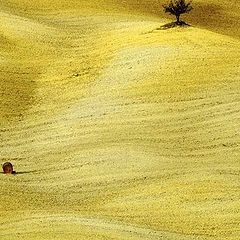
(177, 8)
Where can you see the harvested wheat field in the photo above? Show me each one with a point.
(117, 129)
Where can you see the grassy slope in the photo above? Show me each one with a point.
(138, 127)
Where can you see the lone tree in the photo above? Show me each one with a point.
(177, 8)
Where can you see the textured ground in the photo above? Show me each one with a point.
(119, 130)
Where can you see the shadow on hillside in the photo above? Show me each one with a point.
(169, 26)
(173, 25)
(26, 172)
(22, 172)
(216, 17)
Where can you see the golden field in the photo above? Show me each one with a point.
(119, 130)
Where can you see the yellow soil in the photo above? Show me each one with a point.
(119, 130)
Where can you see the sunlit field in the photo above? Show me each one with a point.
(118, 129)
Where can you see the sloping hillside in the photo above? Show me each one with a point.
(119, 130)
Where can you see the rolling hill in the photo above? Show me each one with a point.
(117, 129)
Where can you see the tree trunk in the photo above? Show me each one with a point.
(178, 19)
